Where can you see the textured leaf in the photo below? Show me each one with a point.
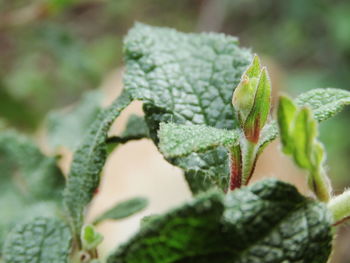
(177, 140)
(88, 161)
(324, 103)
(66, 128)
(30, 183)
(123, 209)
(269, 222)
(41, 240)
(186, 79)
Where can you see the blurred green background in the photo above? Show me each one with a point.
(51, 51)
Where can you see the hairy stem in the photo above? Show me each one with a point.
(235, 167)
(320, 184)
(340, 207)
(249, 160)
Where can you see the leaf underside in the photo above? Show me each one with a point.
(123, 209)
(88, 161)
(266, 222)
(40, 240)
(186, 79)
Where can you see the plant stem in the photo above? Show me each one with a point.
(320, 184)
(235, 167)
(340, 207)
(249, 160)
(242, 163)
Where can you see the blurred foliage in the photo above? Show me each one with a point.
(51, 51)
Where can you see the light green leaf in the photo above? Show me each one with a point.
(176, 140)
(88, 161)
(298, 131)
(285, 115)
(123, 209)
(244, 94)
(303, 134)
(325, 103)
(259, 113)
(90, 239)
(263, 223)
(67, 128)
(186, 79)
(40, 240)
(30, 182)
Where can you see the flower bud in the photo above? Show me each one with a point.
(252, 100)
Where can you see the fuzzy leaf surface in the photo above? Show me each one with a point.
(30, 182)
(88, 161)
(41, 240)
(66, 128)
(324, 103)
(124, 209)
(268, 222)
(176, 140)
(186, 79)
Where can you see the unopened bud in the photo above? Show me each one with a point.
(251, 100)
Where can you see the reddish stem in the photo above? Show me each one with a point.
(235, 168)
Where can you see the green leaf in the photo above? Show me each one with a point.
(325, 103)
(186, 79)
(285, 115)
(40, 240)
(244, 94)
(266, 222)
(123, 209)
(88, 161)
(176, 140)
(298, 131)
(30, 182)
(90, 239)
(66, 128)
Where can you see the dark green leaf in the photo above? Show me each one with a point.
(66, 128)
(40, 240)
(176, 140)
(186, 79)
(88, 161)
(123, 209)
(269, 222)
